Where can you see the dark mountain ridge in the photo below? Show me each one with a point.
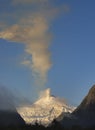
(8, 113)
(88, 104)
(84, 114)
(10, 118)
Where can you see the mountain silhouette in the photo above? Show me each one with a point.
(88, 104)
(8, 114)
(84, 114)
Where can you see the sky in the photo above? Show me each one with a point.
(48, 43)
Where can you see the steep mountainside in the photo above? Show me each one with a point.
(84, 114)
(89, 101)
(44, 110)
(10, 118)
(8, 114)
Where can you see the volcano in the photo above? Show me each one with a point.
(44, 110)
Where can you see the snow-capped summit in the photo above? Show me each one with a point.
(44, 110)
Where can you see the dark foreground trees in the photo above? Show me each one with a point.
(55, 126)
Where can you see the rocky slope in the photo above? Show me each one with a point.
(44, 110)
(84, 114)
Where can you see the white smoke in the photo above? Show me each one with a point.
(45, 93)
(33, 32)
(31, 28)
(36, 40)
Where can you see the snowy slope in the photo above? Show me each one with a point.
(44, 110)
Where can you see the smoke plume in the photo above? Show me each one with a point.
(32, 31)
(36, 39)
(29, 24)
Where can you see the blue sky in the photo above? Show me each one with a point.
(72, 54)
